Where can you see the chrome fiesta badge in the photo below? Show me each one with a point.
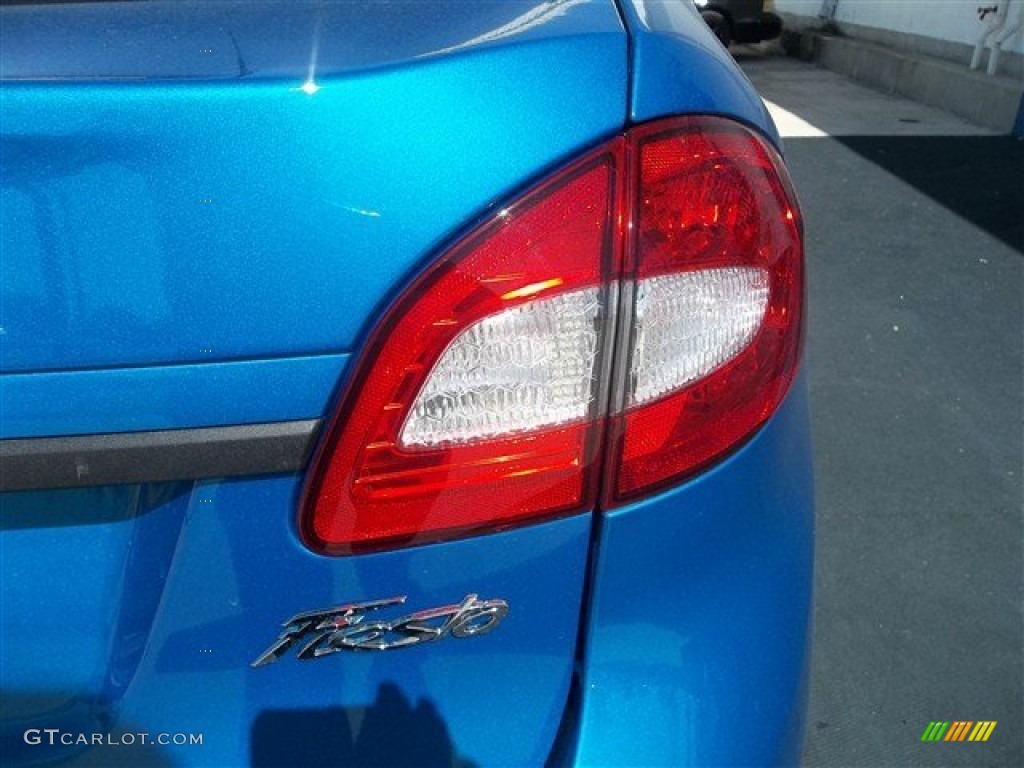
(346, 627)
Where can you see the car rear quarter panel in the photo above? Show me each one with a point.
(697, 643)
(678, 67)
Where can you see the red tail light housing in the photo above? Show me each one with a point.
(710, 197)
(621, 326)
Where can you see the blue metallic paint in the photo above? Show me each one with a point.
(272, 39)
(83, 571)
(699, 625)
(324, 204)
(168, 397)
(695, 651)
(678, 66)
(236, 571)
(696, 645)
(184, 221)
(696, 639)
(93, 567)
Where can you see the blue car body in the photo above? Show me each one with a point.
(206, 208)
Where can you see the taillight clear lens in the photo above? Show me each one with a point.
(687, 325)
(519, 370)
(485, 396)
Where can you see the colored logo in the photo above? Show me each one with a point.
(958, 730)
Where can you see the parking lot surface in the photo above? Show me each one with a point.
(915, 244)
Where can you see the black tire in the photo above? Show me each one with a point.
(720, 25)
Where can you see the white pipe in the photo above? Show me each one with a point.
(997, 44)
(995, 25)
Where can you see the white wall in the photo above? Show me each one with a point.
(950, 20)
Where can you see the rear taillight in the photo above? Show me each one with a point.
(715, 263)
(621, 326)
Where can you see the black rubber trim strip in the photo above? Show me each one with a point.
(149, 457)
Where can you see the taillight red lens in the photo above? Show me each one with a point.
(418, 450)
(482, 398)
(714, 217)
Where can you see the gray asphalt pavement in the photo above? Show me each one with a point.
(915, 244)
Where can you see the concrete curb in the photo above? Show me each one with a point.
(993, 102)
